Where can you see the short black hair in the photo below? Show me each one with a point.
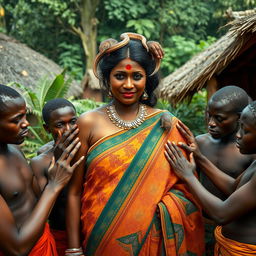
(234, 95)
(138, 53)
(7, 93)
(54, 104)
(252, 107)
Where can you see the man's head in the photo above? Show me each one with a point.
(59, 116)
(246, 135)
(13, 122)
(224, 109)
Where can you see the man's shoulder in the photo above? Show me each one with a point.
(48, 154)
(202, 138)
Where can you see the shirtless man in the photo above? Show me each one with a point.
(23, 218)
(219, 144)
(59, 116)
(236, 214)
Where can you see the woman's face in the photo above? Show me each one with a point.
(127, 81)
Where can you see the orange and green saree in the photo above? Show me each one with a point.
(132, 202)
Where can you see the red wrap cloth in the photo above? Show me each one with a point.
(60, 237)
(45, 246)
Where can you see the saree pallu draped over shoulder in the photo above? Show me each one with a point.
(132, 202)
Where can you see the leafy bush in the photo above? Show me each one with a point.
(71, 59)
(84, 105)
(190, 113)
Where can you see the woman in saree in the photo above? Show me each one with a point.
(125, 199)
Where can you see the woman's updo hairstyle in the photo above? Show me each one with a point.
(136, 51)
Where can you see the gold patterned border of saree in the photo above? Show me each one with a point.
(128, 179)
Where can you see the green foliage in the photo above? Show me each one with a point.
(191, 113)
(66, 10)
(162, 20)
(70, 59)
(124, 10)
(180, 51)
(44, 91)
(186, 18)
(142, 26)
(84, 105)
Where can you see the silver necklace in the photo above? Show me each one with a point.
(117, 121)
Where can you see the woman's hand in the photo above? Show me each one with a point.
(60, 171)
(181, 166)
(166, 121)
(192, 146)
(156, 49)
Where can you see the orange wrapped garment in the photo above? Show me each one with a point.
(132, 202)
(228, 247)
(45, 246)
(60, 237)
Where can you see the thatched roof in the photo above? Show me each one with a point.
(194, 74)
(240, 14)
(23, 65)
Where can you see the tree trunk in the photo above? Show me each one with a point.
(89, 30)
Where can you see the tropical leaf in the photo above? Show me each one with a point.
(29, 96)
(58, 88)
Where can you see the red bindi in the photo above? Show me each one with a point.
(128, 67)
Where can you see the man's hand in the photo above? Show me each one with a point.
(192, 146)
(60, 171)
(64, 140)
(181, 166)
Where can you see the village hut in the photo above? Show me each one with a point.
(229, 61)
(21, 64)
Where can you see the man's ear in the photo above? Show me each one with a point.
(46, 127)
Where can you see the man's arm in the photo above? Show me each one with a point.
(221, 212)
(19, 241)
(38, 165)
(224, 182)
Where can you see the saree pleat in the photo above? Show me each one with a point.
(132, 202)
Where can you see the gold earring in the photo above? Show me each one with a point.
(144, 95)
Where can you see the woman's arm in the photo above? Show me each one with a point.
(19, 241)
(224, 182)
(222, 212)
(73, 209)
